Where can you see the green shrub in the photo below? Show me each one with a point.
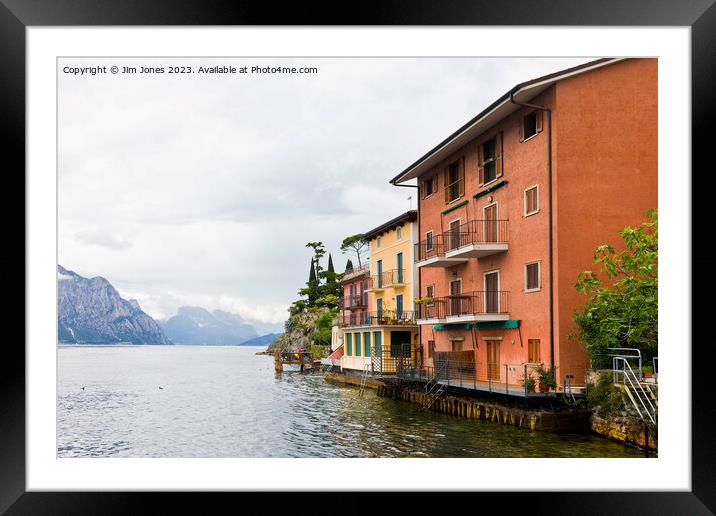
(604, 395)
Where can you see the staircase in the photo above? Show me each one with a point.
(641, 395)
(434, 389)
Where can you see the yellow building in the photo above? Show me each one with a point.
(385, 339)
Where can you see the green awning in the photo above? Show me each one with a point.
(459, 326)
(489, 190)
(510, 324)
(452, 208)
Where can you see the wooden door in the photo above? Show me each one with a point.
(491, 232)
(455, 292)
(493, 359)
(492, 292)
(454, 233)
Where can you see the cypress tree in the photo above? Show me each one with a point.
(312, 284)
(349, 265)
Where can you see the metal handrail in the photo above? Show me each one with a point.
(628, 374)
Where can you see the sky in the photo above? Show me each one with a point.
(203, 189)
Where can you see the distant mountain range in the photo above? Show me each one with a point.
(262, 340)
(195, 325)
(91, 311)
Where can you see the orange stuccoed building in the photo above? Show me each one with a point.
(512, 206)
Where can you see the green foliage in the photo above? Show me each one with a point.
(622, 305)
(355, 244)
(319, 351)
(349, 265)
(324, 328)
(605, 395)
(546, 377)
(529, 383)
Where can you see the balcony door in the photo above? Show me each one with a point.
(492, 292)
(399, 265)
(491, 229)
(454, 234)
(455, 300)
(379, 308)
(380, 273)
(399, 306)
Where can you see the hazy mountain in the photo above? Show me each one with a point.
(91, 311)
(195, 325)
(261, 340)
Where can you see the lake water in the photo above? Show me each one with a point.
(229, 402)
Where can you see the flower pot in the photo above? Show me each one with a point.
(543, 387)
(648, 374)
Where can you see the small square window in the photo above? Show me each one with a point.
(532, 277)
(531, 200)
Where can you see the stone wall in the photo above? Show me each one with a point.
(625, 428)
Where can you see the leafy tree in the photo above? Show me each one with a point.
(622, 308)
(355, 244)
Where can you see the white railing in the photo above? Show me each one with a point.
(640, 398)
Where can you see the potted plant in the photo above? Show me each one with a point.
(648, 371)
(529, 384)
(546, 380)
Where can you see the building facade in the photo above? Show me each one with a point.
(512, 207)
(385, 337)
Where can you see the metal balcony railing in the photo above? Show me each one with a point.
(354, 302)
(380, 318)
(388, 279)
(468, 303)
(471, 232)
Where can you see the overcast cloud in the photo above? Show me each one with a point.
(203, 189)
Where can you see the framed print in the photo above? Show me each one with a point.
(417, 250)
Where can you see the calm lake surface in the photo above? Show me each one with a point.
(229, 402)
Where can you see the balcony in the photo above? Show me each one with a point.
(477, 306)
(394, 278)
(473, 239)
(381, 318)
(353, 302)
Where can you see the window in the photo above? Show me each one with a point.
(533, 351)
(378, 339)
(366, 344)
(429, 241)
(349, 344)
(431, 348)
(532, 200)
(430, 292)
(531, 125)
(457, 345)
(454, 181)
(357, 344)
(532, 279)
(429, 187)
(490, 159)
(399, 233)
(377, 242)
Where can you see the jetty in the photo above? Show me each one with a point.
(294, 360)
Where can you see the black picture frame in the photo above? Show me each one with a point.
(700, 16)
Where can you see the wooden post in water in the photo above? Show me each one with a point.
(277, 360)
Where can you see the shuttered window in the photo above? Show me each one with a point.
(430, 186)
(533, 351)
(431, 348)
(532, 276)
(366, 344)
(454, 181)
(490, 160)
(358, 350)
(531, 200)
(349, 344)
(531, 125)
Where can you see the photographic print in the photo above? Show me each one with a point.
(432, 257)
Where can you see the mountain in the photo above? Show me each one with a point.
(261, 340)
(195, 325)
(91, 311)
